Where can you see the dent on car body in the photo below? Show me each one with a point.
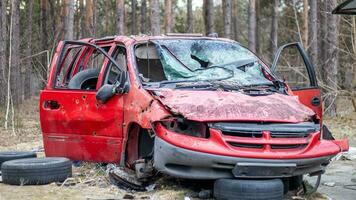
(230, 106)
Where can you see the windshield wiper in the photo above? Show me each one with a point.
(238, 63)
(195, 85)
(262, 88)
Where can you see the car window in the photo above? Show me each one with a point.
(114, 72)
(69, 58)
(95, 59)
(148, 63)
(291, 68)
(202, 60)
(79, 67)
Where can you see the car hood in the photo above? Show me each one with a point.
(233, 106)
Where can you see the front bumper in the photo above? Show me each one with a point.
(184, 163)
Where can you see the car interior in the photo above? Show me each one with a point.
(148, 63)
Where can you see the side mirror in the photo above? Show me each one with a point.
(105, 93)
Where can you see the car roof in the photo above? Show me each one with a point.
(144, 38)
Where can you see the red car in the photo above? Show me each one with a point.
(193, 107)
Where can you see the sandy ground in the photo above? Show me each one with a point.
(91, 180)
(340, 175)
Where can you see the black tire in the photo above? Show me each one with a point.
(85, 80)
(295, 182)
(243, 189)
(36, 171)
(13, 155)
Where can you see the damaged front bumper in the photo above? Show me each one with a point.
(184, 163)
(214, 157)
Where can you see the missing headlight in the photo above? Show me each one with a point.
(187, 127)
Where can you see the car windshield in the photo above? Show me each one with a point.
(192, 60)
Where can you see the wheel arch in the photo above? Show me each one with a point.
(138, 141)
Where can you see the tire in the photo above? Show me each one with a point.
(243, 189)
(295, 182)
(36, 171)
(84, 80)
(12, 155)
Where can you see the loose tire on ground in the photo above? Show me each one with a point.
(36, 171)
(12, 155)
(243, 189)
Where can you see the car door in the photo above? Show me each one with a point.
(292, 64)
(74, 124)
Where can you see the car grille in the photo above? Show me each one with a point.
(274, 136)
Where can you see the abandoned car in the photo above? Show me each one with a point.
(188, 106)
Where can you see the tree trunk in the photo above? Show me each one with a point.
(208, 16)
(89, 18)
(168, 15)
(96, 18)
(82, 18)
(133, 17)
(120, 7)
(305, 23)
(106, 17)
(331, 66)
(155, 24)
(15, 53)
(322, 30)
(77, 18)
(227, 12)
(44, 39)
(28, 53)
(257, 34)
(69, 20)
(274, 29)
(143, 17)
(235, 19)
(3, 46)
(252, 25)
(313, 34)
(189, 17)
(53, 15)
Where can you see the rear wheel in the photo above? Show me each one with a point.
(36, 171)
(244, 189)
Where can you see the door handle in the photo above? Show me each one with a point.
(51, 104)
(315, 101)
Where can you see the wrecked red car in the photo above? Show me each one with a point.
(193, 107)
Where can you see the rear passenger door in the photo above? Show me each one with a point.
(292, 64)
(73, 123)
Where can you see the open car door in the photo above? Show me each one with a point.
(292, 64)
(346, 8)
(74, 124)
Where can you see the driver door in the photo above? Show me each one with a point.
(74, 124)
(292, 64)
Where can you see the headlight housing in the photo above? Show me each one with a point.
(186, 127)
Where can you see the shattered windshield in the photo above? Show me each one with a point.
(206, 60)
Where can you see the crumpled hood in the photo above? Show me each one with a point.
(233, 106)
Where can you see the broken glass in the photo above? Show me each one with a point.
(210, 60)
